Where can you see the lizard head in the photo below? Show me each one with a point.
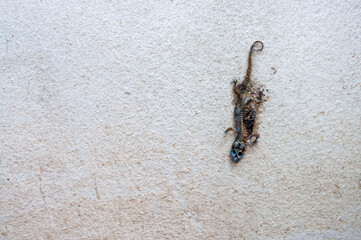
(237, 151)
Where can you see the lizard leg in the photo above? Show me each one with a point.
(234, 81)
(235, 88)
(229, 130)
(252, 139)
(260, 95)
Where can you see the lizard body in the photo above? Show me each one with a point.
(247, 102)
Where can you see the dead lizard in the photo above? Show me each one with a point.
(247, 101)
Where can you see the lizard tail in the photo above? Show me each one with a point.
(256, 46)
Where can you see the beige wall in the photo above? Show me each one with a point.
(113, 116)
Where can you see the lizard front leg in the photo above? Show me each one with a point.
(252, 139)
(230, 129)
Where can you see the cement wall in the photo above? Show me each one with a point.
(113, 116)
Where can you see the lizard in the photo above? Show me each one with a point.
(247, 102)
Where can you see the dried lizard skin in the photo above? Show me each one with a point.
(247, 101)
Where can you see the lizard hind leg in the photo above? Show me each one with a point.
(259, 95)
(234, 81)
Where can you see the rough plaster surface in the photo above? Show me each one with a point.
(113, 116)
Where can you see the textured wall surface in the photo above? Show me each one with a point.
(113, 116)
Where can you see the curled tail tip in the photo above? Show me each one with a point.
(257, 46)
